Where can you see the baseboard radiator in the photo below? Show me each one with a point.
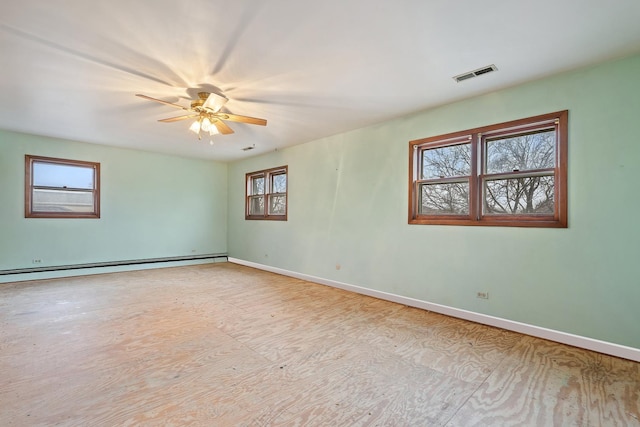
(45, 269)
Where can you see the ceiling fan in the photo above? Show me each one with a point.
(208, 114)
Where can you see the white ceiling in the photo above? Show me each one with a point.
(70, 68)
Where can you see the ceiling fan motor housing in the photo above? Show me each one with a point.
(202, 97)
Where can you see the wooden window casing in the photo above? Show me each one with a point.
(266, 195)
(463, 188)
(55, 195)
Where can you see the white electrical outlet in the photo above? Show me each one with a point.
(36, 261)
(483, 295)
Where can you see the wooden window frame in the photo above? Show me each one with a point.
(477, 138)
(268, 175)
(29, 187)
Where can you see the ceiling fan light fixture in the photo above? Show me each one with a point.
(195, 127)
(206, 125)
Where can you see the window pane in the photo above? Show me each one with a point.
(279, 184)
(256, 205)
(257, 185)
(523, 152)
(527, 195)
(277, 205)
(443, 162)
(444, 199)
(62, 201)
(54, 175)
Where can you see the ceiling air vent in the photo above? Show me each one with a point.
(475, 73)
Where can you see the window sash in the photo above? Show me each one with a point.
(276, 199)
(55, 200)
(256, 205)
(527, 194)
(450, 201)
(273, 186)
(255, 188)
(446, 164)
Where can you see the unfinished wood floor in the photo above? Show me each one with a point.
(226, 345)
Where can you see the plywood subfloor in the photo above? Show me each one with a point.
(226, 345)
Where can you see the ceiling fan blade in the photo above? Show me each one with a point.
(241, 119)
(222, 127)
(215, 102)
(162, 102)
(175, 119)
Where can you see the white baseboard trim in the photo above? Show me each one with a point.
(523, 328)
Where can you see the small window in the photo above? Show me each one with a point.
(509, 174)
(61, 188)
(266, 196)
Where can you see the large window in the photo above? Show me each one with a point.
(509, 174)
(266, 194)
(60, 188)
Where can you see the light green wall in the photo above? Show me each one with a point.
(348, 206)
(152, 205)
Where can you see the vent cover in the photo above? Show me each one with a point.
(475, 73)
